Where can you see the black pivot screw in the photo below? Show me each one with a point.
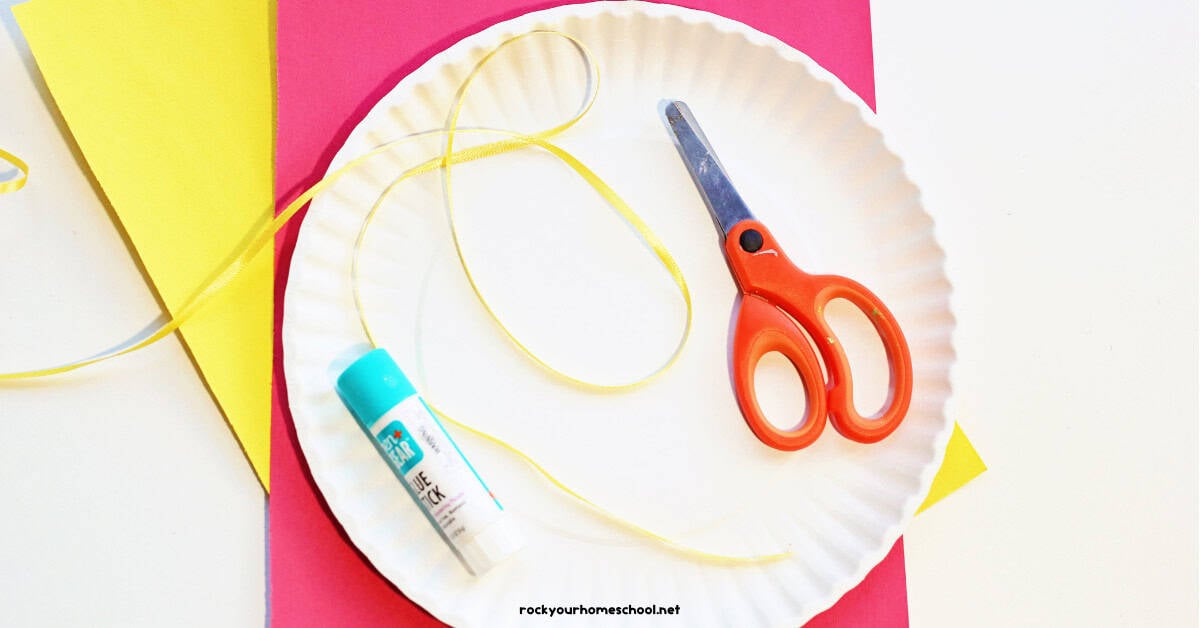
(751, 240)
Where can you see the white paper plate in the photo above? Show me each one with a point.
(570, 279)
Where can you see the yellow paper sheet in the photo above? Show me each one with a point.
(172, 105)
(961, 464)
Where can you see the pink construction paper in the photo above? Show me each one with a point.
(335, 60)
(879, 601)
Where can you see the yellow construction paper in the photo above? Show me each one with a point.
(172, 104)
(961, 464)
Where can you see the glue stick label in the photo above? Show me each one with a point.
(444, 483)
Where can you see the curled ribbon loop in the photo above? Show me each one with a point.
(18, 183)
(443, 163)
(515, 141)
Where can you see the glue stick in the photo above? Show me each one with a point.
(427, 462)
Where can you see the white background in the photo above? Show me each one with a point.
(1056, 147)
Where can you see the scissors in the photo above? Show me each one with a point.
(780, 304)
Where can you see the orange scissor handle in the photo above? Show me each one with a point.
(762, 269)
(845, 417)
(760, 329)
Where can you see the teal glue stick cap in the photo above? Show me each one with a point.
(372, 385)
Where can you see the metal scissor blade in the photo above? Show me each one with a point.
(723, 201)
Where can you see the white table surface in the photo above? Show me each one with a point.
(1056, 147)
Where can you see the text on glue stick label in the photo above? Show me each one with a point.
(434, 470)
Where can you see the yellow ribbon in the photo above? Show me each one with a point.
(19, 182)
(517, 141)
(443, 164)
